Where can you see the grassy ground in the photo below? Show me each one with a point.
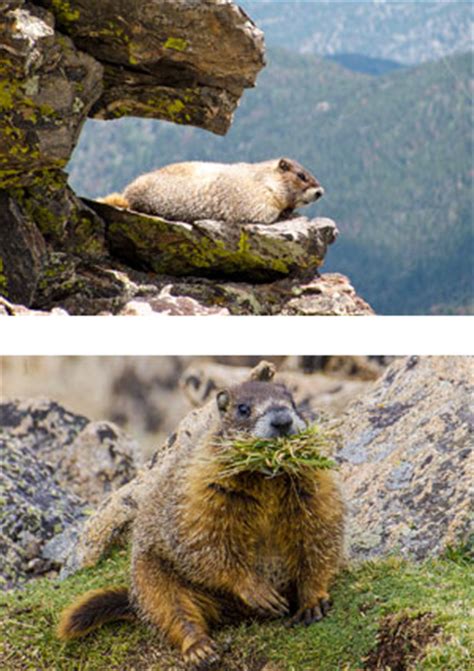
(386, 615)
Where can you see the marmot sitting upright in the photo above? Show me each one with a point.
(238, 192)
(209, 549)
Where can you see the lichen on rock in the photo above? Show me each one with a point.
(407, 459)
(55, 466)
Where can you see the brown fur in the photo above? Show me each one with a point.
(93, 609)
(209, 549)
(240, 192)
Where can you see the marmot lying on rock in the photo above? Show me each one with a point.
(209, 549)
(238, 192)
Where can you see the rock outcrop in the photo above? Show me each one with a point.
(407, 459)
(186, 62)
(34, 509)
(91, 289)
(54, 465)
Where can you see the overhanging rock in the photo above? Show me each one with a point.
(185, 61)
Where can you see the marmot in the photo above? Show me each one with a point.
(208, 549)
(238, 192)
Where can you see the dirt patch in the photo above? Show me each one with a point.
(155, 652)
(402, 640)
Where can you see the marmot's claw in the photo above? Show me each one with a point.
(266, 600)
(202, 654)
(325, 605)
(311, 614)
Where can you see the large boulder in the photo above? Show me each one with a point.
(89, 458)
(407, 459)
(34, 509)
(54, 467)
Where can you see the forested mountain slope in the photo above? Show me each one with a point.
(393, 153)
(409, 32)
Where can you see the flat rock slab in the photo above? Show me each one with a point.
(246, 252)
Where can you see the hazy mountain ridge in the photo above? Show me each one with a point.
(393, 153)
(409, 32)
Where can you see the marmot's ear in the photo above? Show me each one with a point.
(223, 400)
(264, 371)
(283, 165)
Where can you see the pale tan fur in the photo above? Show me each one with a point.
(238, 192)
(115, 199)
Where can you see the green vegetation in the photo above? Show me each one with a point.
(392, 152)
(289, 454)
(374, 593)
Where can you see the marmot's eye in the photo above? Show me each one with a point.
(244, 410)
(302, 176)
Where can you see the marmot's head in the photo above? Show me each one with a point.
(302, 187)
(261, 409)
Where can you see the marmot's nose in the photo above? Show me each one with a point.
(318, 193)
(282, 421)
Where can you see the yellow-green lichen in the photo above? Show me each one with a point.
(243, 242)
(170, 109)
(8, 90)
(280, 266)
(64, 12)
(166, 251)
(176, 43)
(3, 280)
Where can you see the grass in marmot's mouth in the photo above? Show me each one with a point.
(292, 454)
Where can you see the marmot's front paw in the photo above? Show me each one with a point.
(202, 654)
(264, 599)
(309, 614)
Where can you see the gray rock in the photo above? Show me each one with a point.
(84, 288)
(89, 458)
(34, 508)
(8, 309)
(22, 252)
(407, 459)
(249, 252)
(54, 466)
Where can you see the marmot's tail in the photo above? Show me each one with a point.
(92, 610)
(115, 199)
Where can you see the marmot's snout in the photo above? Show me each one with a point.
(312, 194)
(278, 421)
(281, 421)
(318, 193)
